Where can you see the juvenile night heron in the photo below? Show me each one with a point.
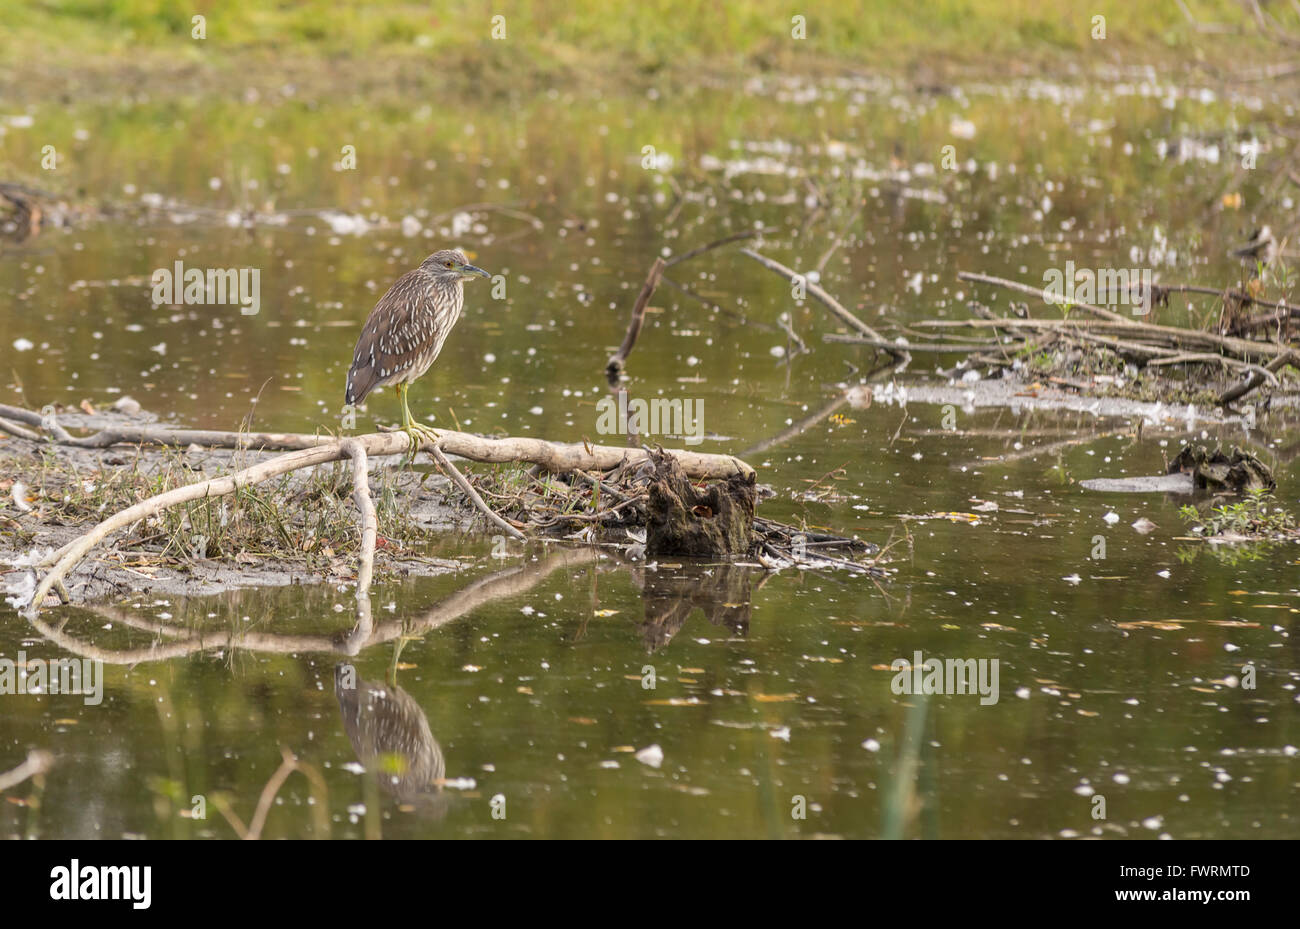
(405, 331)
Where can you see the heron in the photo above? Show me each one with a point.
(404, 333)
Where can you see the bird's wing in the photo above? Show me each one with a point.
(390, 339)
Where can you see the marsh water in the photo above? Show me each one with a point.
(1124, 677)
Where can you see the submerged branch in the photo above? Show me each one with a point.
(831, 304)
(614, 367)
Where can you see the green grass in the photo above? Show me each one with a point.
(579, 39)
(307, 517)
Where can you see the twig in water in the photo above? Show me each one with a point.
(696, 252)
(976, 278)
(829, 302)
(1257, 378)
(614, 367)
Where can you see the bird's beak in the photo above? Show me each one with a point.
(468, 271)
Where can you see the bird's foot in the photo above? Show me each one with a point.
(420, 433)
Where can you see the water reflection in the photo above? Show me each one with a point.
(721, 591)
(670, 594)
(390, 733)
(174, 640)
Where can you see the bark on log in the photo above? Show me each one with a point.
(681, 519)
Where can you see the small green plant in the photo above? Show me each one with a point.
(1253, 516)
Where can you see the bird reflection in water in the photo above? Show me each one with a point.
(390, 734)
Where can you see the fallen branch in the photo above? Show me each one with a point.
(718, 243)
(919, 347)
(831, 304)
(366, 506)
(15, 429)
(66, 557)
(1257, 378)
(976, 278)
(468, 490)
(614, 367)
(799, 346)
(556, 457)
(1169, 337)
(1243, 298)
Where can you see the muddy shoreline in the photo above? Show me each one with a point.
(115, 571)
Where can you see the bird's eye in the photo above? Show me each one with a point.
(447, 263)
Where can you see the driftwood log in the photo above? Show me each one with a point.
(1239, 472)
(716, 521)
(556, 457)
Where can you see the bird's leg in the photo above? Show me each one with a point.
(397, 653)
(398, 645)
(419, 432)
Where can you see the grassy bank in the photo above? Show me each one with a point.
(48, 49)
